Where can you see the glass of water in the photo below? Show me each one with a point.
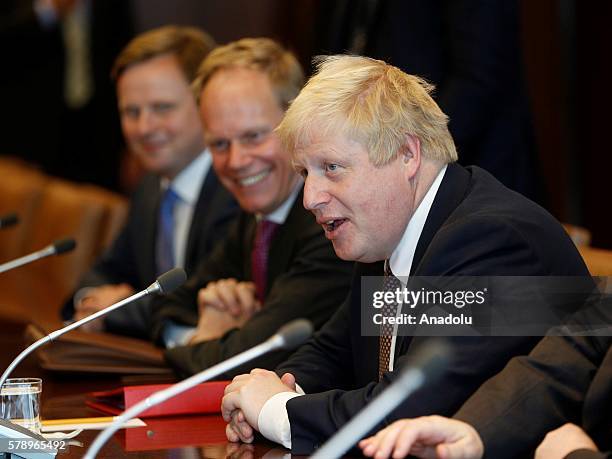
(20, 402)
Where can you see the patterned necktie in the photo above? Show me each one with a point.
(165, 232)
(390, 283)
(259, 256)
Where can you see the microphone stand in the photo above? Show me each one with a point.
(57, 248)
(300, 329)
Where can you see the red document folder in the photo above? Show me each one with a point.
(177, 432)
(202, 399)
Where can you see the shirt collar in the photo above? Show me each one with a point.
(188, 183)
(401, 259)
(280, 214)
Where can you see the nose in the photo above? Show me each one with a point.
(315, 195)
(145, 122)
(237, 157)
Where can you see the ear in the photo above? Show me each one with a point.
(411, 155)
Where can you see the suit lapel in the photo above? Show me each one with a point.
(249, 240)
(452, 191)
(150, 220)
(598, 400)
(201, 219)
(281, 249)
(365, 348)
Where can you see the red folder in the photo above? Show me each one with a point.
(177, 432)
(202, 399)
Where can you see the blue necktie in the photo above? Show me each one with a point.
(165, 232)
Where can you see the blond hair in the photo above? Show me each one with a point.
(370, 102)
(262, 54)
(189, 45)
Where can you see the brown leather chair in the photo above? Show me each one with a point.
(88, 214)
(115, 215)
(581, 236)
(599, 261)
(21, 190)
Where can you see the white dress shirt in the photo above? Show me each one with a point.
(273, 420)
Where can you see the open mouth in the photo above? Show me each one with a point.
(332, 225)
(253, 179)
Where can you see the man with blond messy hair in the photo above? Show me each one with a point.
(381, 179)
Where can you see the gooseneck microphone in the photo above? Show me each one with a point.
(289, 336)
(8, 220)
(427, 365)
(164, 284)
(57, 248)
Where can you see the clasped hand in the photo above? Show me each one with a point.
(245, 397)
(223, 305)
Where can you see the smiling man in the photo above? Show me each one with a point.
(275, 264)
(381, 179)
(179, 210)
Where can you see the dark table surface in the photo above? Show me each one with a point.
(63, 396)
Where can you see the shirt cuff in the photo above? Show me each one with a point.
(174, 334)
(273, 420)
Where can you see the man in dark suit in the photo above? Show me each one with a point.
(377, 158)
(565, 381)
(180, 205)
(59, 54)
(471, 51)
(275, 264)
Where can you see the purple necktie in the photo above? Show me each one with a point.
(259, 256)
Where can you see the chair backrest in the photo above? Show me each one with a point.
(64, 212)
(21, 191)
(599, 261)
(581, 236)
(51, 209)
(116, 213)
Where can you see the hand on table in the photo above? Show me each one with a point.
(244, 398)
(426, 437)
(560, 442)
(98, 298)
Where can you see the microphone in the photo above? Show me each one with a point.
(164, 284)
(57, 248)
(427, 365)
(288, 336)
(8, 220)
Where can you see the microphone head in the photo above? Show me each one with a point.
(431, 358)
(9, 220)
(63, 246)
(295, 333)
(170, 280)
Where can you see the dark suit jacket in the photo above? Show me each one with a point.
(79, 144)
(131, 258)
(475, 227)
(305, 279)
(471, 51)
(588, 454)
(564, 379)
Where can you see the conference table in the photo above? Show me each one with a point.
(180, 437)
